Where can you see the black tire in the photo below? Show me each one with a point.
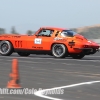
(78, 56)
(25, 54)
(94, 51)
(6, 48)
(58, 54)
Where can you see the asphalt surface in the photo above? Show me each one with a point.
(45, 72)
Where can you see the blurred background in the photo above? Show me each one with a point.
(26, 17)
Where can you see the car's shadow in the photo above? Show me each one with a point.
(51, 57)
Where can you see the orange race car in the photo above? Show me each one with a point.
(57, 42)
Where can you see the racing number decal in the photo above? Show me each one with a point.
(18, 43)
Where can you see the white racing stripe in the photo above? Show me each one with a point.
(41, 92)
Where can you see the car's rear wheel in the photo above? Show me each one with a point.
(78, 56)
(6, 48)
(23, 53)
(59, 51)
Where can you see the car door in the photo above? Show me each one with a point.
(41, 41)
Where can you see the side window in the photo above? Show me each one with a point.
(68, 33)
(63, 34)
(45, 33)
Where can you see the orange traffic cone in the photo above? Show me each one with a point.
(14, 76)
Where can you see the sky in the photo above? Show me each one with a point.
(33, 14)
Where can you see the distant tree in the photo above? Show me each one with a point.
(34, 32)
(2, 31)
(13, 30)
(91, 33)
(29, 32)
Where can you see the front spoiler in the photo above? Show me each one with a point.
(86, 49)
(83, 48)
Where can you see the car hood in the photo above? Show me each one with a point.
(93, 43)
(78, 36)
(85, 40)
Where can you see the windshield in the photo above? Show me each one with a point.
(69, 33)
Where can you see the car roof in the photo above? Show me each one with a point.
(56, 28)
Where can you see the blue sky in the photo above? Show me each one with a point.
(32, 14)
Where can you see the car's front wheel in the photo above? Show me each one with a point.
(93, 51)
(23, 53)
(59, 50)
(6, 48)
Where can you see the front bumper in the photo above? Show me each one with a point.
(88, 51)
(98, 49)
(88, 47)
(83, 48)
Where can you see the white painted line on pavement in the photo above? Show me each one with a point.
(41, 92)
